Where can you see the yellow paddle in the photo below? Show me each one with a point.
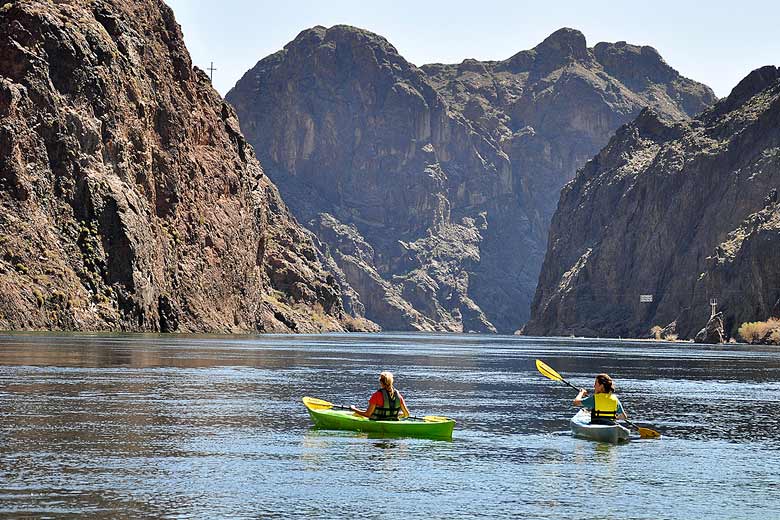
(319, 404)
(549, 373)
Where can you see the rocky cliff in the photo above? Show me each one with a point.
(433, 187)
(129, 199)
(683, 211)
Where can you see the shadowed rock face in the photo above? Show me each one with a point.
(447, 174)
(685, 211)
(129, 199)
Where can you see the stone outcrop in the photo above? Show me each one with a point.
(684, 211)
(713, 332)
(129, 199)
(439, 182)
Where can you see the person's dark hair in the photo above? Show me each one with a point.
(606, 382)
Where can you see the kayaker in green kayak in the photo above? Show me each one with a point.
(604, 406)
(386, 403)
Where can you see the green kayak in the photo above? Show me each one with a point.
(327, 418)
(581, 427)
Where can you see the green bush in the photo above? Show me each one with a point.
(38, 297)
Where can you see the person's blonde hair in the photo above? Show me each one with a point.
(386, 379)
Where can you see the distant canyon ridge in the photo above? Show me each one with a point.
(432, 188)
(546, 191)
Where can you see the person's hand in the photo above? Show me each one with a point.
(583, 392)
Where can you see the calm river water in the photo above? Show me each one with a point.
(213, 427)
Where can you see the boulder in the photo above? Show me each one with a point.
(712, 332)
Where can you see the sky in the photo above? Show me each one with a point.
(715, 42)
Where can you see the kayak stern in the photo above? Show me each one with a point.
(581, 427)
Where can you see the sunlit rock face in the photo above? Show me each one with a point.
(686, 212)
(446, 175)
(129, 199)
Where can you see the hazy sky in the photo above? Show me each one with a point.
(715, 42)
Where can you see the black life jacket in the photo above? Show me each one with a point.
(389, 409)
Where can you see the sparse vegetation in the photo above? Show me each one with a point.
(38, 297)
(317, 313)
(656, 332)
(93, 273)
(761, 331)
(359, 324)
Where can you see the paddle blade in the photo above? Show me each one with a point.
(317, 404)
(436, 418)
(644, 433)
(547, 372)
(647, 433)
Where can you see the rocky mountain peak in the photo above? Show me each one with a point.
(346, 40)
(634, 65)
(750, 85)
(564, 44)
(561, 47)
(308, 37)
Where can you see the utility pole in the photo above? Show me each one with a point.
(211, 70)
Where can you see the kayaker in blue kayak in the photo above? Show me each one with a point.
(386, 403)
(604, 406)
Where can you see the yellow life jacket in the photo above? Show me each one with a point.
(605, 408)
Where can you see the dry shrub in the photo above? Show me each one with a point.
(759, 331)
(360, 324)
(656, 331)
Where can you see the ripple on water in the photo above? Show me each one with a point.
(147, 426)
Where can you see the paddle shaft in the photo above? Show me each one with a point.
(342, 407)
(571, 385)
(643, 431)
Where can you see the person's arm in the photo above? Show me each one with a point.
(621, 413)
(404, 409)
(578, 400)
(367, 413)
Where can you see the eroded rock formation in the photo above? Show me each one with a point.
(684, 211)
(439, 182)
(129, 199)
